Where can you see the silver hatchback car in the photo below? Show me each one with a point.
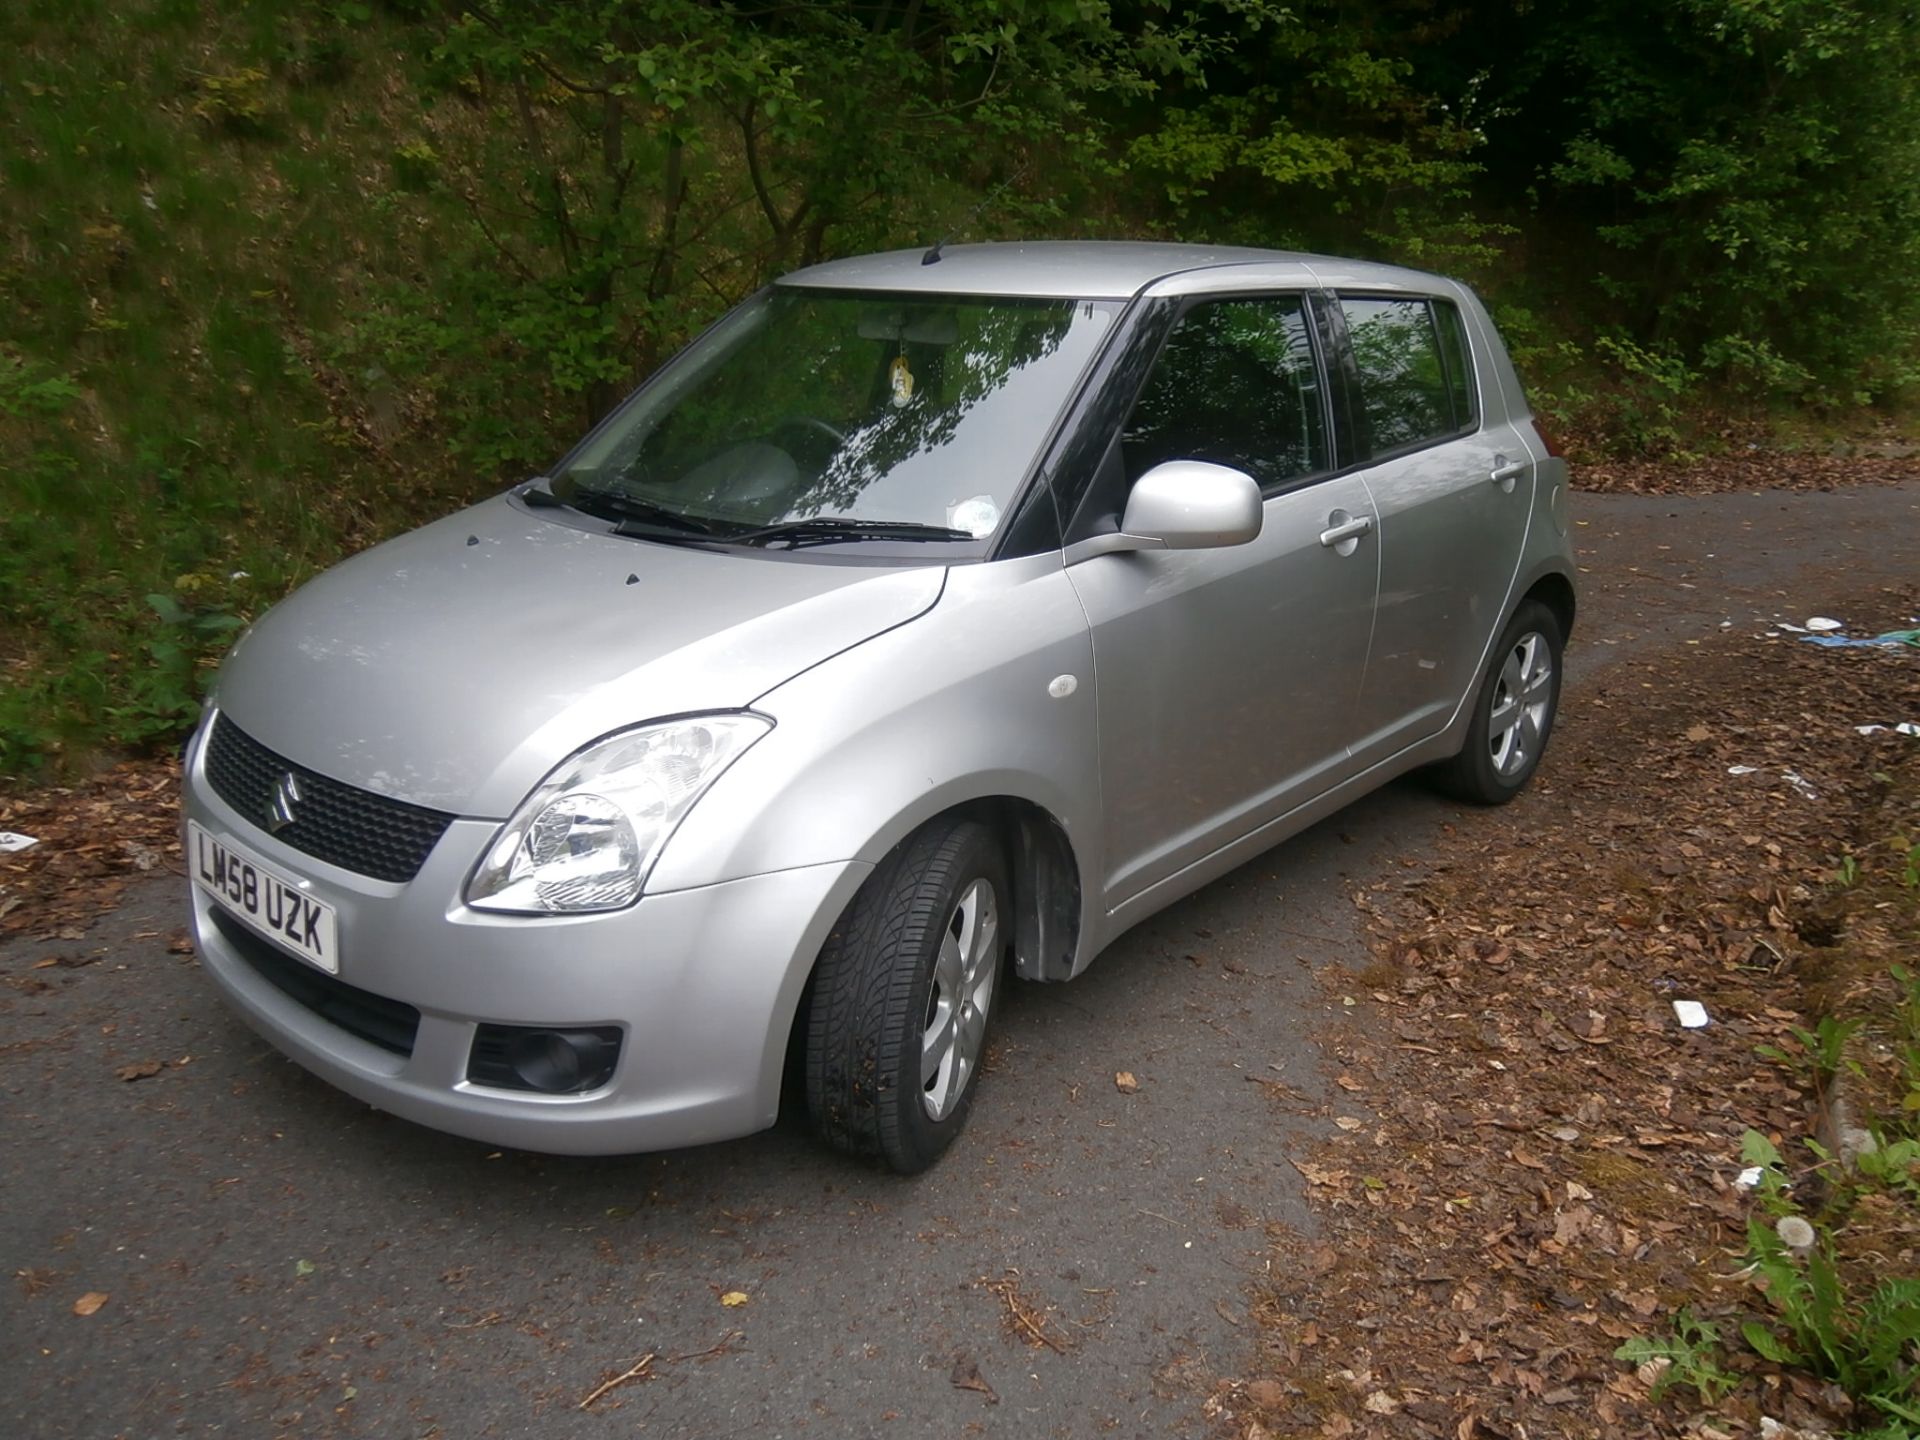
(933, 616)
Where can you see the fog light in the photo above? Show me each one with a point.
(550, 1061)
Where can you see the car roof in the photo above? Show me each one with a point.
(1083, 269)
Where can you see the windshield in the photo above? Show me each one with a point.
(854, 406)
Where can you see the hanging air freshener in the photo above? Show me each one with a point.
(901, 379)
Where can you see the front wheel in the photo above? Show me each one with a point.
(897, 1022)
(1513, 712)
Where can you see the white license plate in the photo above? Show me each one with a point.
(252, 891)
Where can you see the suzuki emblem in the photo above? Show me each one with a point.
(286, 795)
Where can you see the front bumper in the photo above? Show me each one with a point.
(703, 983)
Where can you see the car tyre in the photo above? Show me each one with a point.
(1513, 712)
(901, 996)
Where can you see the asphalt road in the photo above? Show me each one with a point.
(281, 1260)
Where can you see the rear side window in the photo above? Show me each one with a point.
(1235, 384)
(1459, 357)
(1414, 381)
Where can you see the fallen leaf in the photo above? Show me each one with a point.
(966, 1376)
(1268, 1394)
(1124, 1082)
(88, 1303)
(139, 1071)
(302, 1269)
(733, 1299)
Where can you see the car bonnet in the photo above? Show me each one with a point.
(454, 666)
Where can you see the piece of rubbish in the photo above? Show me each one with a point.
(1907, 727)
(1743, 769)
(1891, 640)
(1820, 624)
(1789, 625)
(11, 841)
(1748, 1178)
(1869, 729)
(1799, 782)
(1691, 1014)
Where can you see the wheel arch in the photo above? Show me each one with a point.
(1042, 868)
(1555, 591)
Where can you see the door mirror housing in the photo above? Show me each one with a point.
(1182, 505)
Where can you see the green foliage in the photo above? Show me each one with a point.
(237, 101)
(1862, 1344)
(280, 280)
(1823, 1048)
(1692, 1354)
(1752, 167)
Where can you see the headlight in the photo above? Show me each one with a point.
(586, 838)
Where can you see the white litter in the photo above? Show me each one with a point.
(1821, 624)
(10, 842)
(1869, 729)
(1743, 769)
(1907, 727)
(1690, 1013)
(1749, 1178)
(1799, 782)
(1789, 625)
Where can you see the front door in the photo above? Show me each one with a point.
(1228, 678)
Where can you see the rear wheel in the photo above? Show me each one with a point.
(1513, 712)
(897, 1021)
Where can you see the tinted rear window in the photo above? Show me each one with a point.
(1409, 392)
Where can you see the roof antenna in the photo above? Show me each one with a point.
(932, 257)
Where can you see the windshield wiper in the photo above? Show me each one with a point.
(640, 519)
(827, 530)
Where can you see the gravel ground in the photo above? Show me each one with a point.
(277, 1259)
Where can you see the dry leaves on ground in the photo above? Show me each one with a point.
(1548, 1170)
(93, 837)
(1743, 468)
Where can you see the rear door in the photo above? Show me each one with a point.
(1453, 491)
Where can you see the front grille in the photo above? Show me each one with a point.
(390, 1024)
(354, 829)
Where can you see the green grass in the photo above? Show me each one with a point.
(171, 271)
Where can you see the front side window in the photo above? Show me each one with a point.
(818, 405)
(1406, 390)
(1236, 384)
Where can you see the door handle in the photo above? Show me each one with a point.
(1505, 474)
(1340, 531)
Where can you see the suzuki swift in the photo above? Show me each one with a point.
(929, 621)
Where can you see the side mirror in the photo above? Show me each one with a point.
(1183, 505)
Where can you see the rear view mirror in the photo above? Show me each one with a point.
(916, 326)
